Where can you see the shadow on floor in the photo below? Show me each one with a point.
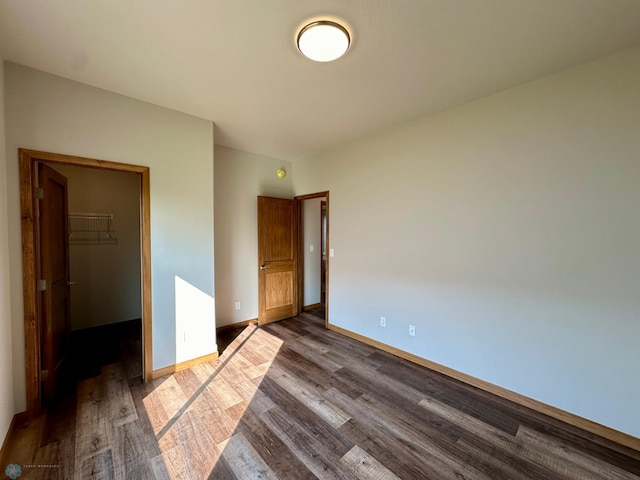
(225, 337)
(93, 348)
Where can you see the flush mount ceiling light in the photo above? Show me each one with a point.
(323, 40)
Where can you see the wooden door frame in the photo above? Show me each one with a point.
(299, 207)
(30, 259)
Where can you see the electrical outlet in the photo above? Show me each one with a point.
(237, 305)
(412, 330)
(383, 322)
(311, 248)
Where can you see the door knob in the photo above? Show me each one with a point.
(262, 267)
(71, 284)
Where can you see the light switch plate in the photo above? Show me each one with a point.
(331, 252)
(311, 248)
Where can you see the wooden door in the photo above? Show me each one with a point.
(55, 315)
(277, 259)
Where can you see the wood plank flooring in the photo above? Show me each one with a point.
(292, 400)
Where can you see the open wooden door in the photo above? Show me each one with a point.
(277, 259)
(55, 315)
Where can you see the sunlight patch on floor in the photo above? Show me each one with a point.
(194, 413)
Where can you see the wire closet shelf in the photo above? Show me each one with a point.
(91, 229)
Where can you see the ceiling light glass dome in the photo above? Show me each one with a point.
(323, 40)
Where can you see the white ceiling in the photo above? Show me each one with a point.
(235, 62)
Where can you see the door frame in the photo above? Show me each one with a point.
(299, 199)
(30, 259)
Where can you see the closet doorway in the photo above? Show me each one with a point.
(88, 228)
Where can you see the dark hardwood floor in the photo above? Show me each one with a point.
(317, 312)
(292, 400)
(92, 348)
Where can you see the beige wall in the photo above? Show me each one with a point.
(107, 276)
(239, 178)
(508, 232)
(312, 235)
(45, 112)
(6, 359)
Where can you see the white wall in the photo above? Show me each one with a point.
(508, 232)
(6, 358)
(107, 276)
(239, 178)
(312, 235)
(49, 113)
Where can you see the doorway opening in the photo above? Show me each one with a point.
(282, 248)
(88, 229)
(313, 241)
(323, 256)
(104, 271)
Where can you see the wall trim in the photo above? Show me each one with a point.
(168, 370)
(609, 433)
(246, 323)
(17, 421)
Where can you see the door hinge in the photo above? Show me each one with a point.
(44, 374)
(42, 285)
(39, 193)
